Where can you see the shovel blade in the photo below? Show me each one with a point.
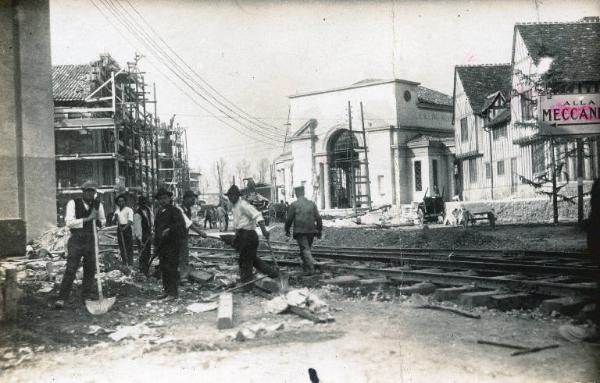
(100, 307)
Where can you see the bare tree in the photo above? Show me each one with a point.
(219, 173)
(242, 170)
(263, 167)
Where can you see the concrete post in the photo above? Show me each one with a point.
(27, 174)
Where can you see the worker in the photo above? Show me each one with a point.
(169, 231)
(123, 217)
(142, 231)
(305, 217)
(80, 212)
(245, 219)
(189, 199)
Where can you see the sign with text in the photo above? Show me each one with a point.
(569, 114)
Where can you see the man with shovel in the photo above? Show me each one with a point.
(123, 217)
(169, 231)
(189, 199)
(79, 217)
(245, 219)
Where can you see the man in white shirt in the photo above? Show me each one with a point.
(245, 219)
(79, 217)
(123, 217)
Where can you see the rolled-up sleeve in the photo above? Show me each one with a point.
(70, 220)
(251, 212)
(101, 216)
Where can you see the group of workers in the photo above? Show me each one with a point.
(167, 231)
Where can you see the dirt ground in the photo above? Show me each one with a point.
(563, 237)
(377, 336)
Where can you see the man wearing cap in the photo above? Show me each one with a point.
(189, 199)
(304, 215)
(245, 218)
(80, 212)
(123, 217)
(169, 231)
(142, 231)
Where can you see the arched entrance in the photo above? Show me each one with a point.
(342, 155)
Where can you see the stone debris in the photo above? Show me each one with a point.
(133, 332)
(97, 330)
(202, 307)
(302, 298)
(52, 241)
(253, 331)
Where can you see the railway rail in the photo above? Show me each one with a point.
(537, 272)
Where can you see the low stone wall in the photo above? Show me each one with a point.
(526, 210)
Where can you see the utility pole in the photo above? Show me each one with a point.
(554, 191)
(364, 134)
(580, 180)
(491, 164)
(156, 128)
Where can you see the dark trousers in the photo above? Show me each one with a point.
(168, 254)
(226, 221)
(79, 246)
(145, 250)
(246, 243)
(209, 220)
(305, 241)
(125, 239)
(184, 259)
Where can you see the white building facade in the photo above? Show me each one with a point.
(405, 152)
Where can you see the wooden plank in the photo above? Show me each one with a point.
(84, 123)
(225, 313)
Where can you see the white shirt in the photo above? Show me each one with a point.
(245, 216)
(77, 223)
(125, 215)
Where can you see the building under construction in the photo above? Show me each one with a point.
(106, 130)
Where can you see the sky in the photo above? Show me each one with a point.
(247, 57)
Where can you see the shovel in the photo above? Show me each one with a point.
(102, 305)
(283, 278)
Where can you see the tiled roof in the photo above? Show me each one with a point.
(431, 96)
(481, 80)
(70, 82)
(574, 47)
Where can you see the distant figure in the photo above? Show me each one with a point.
(208, 217)
(123, 217)
(304, 216)
(221, 218)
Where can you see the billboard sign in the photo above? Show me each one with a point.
(570, 114)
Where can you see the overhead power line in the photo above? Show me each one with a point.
(142, 36)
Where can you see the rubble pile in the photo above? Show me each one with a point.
(53, 241)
